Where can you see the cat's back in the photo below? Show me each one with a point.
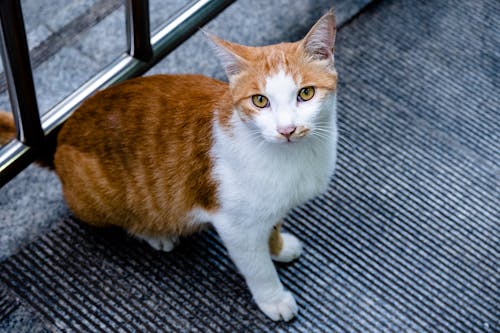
(140, 108)
(140, 148)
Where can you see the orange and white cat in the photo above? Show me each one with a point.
(165, 155)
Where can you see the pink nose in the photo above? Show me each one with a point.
(287, 131)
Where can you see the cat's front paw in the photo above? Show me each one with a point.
(160, 243)
(166, 244)
(283, 307)
(291, 249)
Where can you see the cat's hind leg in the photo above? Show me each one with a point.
(160, 243)
(284, 247)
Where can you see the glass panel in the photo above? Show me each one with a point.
(161, 10)
(70, 41)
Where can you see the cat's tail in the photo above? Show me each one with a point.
(8, 131)
(7, 128)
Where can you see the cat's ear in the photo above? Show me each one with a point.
(320, 40)
(230, 54)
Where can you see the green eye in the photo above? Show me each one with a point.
(305, 94)
(260, 101)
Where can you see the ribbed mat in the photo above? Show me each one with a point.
(7, 303)
(405, 240)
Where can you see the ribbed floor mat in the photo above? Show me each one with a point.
(7, 303)
(406, 239)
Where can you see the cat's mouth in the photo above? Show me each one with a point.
(293, 135)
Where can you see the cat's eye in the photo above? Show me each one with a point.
(305, 94)
(260, 101)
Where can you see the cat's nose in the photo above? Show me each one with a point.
(287, 131)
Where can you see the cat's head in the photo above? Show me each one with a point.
(284, 92)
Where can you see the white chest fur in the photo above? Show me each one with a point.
(264, 180)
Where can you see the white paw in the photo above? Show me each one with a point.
(164, 243)
(292, 249)
(284, 307)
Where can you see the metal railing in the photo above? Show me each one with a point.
(144, 51)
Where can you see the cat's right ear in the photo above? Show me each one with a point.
(229, 54)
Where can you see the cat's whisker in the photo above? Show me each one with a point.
(324, 127)
(323, 130)
(254, 134)
(324, 136)
(345, 133)
(321, 137)
(256, 137)
(323, 124)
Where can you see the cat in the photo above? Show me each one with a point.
(165, 155)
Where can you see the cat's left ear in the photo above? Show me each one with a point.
(320, 41)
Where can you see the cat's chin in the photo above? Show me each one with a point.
(285, 142)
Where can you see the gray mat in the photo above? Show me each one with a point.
(406, 239)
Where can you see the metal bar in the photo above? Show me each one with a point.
(138, 35)
(164, 40)
(17, 67)
(14, 157)
(187, 22)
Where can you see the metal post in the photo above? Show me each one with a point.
(17, 67)
(138, 35)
